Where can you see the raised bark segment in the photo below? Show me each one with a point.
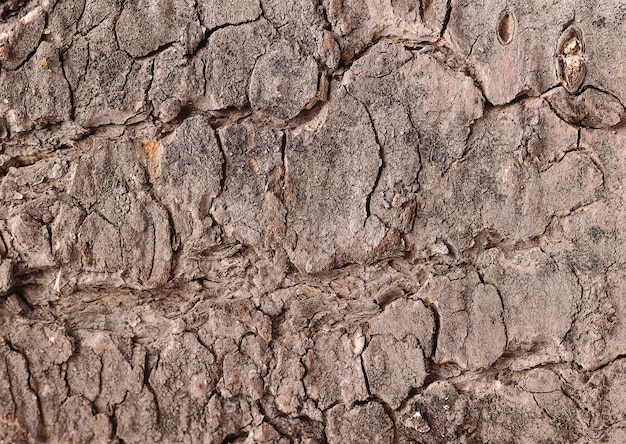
(263, 221)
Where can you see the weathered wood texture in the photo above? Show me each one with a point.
(312, 221)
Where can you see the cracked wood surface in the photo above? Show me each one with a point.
(321, 221)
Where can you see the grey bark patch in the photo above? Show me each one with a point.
(22, 38)
(26, 416)
(134, 418)
(218, 13)
(144, 27)
(527, 60)
(37, 94)
(186, 172)
(78, 423)
(340, 382)
(250, 208)
(229, 59)
(126, 232)
(439, 412)
(364, 423)
(529, 316)
(63, 22)
(31, 239)
(176, 81)
(393, 367)
(472, 332)
(113, 87)
(304, 24)
(327, 159)
(283, 82)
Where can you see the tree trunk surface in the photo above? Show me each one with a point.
(318, 221)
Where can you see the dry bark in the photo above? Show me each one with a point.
(264, 221)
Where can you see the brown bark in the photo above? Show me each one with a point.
(266, 221)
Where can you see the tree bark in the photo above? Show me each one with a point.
(321, 221)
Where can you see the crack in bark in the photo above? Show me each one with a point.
(366, 380)
(224, 165)
(146, 383)
(30, 55)
(502, 303)
(381, 157)
(30, 385)
(446, 20)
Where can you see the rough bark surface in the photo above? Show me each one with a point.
(320, 221)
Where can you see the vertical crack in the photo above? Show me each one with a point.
(147, 370)
(149, 106)
(283, 176)
(117, 41)
(365, 378)
(80, 17)
(220, 146)
(437, 327)
(417, 149)
(446, 19)
(504, 326)
(579, 305)
(154, 248)
(587, 152)
(11, 388)
(69, 87)
(100, 379)
(113, 420)
(30, 387)
(50, 246)
(381, 158)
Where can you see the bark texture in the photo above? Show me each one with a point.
(319, 221)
